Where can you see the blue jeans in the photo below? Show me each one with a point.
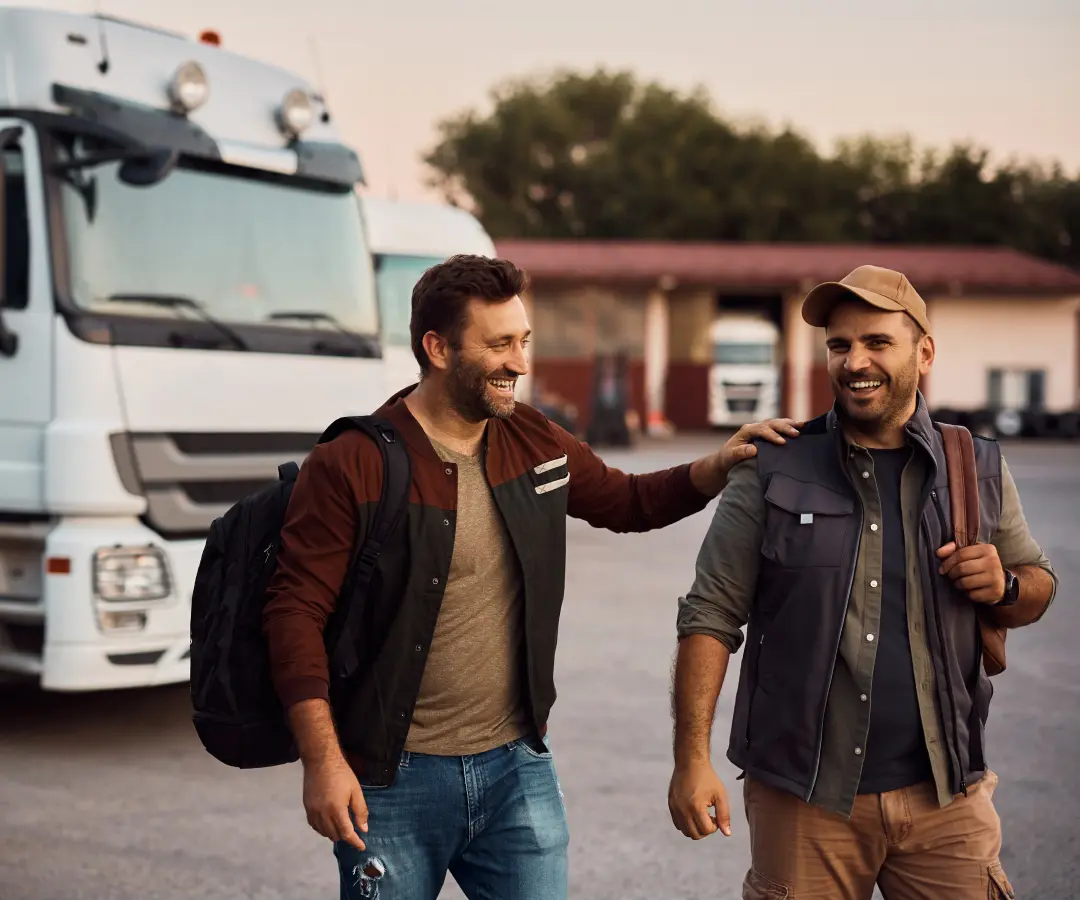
(495, 821)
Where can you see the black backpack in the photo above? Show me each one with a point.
(236, 711)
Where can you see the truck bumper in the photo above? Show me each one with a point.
(76, 652)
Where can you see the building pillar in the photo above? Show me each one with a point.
(686, 391)
(798, 359)
(657, 328)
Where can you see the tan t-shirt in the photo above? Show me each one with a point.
(470, 696)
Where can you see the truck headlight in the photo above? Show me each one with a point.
(130, 574)
(189, 88)
(295, 114)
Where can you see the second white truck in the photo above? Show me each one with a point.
(744, 377)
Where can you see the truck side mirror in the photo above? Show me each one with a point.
(149, 168)
(9, 340)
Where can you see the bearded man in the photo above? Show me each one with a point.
(860, 711)
(434, 756)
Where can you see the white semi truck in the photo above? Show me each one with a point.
(188, 299)
(744, 377)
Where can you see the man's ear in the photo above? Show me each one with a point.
(926, 354)
(438, 350)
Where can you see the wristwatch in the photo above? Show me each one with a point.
(1012, 590)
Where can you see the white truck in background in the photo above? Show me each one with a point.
(405, 240)
(188, 299)
(744, 375)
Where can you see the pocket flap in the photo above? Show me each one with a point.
(1001, 882)
(803, 497)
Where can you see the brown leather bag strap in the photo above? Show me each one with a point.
(964, 500)
(963, 483)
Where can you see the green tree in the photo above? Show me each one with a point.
(604, 156)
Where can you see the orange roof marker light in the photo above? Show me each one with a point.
(211, 37)
(58, 565)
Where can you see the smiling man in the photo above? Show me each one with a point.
(859, 714)
(433, 757)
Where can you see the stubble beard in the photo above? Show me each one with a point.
(470, 396)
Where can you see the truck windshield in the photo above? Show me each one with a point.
(246, 249)
(743, 354)
(395, 277)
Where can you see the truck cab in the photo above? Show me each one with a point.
(188, 300)
(744, 375)
(406, 239)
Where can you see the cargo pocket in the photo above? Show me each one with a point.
(999, 887)
(757, 887)
(806, 524)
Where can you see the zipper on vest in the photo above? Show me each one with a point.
(941, 639)
(753, 691)
(836, 651)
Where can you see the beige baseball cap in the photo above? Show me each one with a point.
(879, 287)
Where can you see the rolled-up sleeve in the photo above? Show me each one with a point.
(1013, 540)
(719, 602)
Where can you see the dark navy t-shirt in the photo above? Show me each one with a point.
(896, 753)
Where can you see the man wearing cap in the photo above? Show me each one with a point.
(861, 704)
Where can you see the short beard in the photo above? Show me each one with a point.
(467, 386)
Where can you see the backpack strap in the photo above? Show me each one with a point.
(964, 501)
(963, 483)
(393, 501)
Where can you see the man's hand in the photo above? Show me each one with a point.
(709, 474)
(330, 791)
(693, 789)
(975, 569)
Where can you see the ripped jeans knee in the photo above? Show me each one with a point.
(366, 877)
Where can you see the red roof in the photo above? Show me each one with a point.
(751, 265)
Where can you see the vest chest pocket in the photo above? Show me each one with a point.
(806, 524)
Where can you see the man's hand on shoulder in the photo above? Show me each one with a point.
(709, 474)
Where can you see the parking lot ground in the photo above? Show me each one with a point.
(111, 797)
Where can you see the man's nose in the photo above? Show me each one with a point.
(519, 362)
(857, 360)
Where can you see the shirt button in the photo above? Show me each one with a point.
(418, 648)
(873, 583)
(865, 474)
(873, 526)
(862, 697)
(869, 637)
(434, 580)
(446, 521)
(449, 471)
(858, 751)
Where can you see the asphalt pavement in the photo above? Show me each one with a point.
(111, 797)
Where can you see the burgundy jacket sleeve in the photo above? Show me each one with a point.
(316, 544)
(606, 497)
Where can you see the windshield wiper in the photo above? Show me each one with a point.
(322, 346)
(173, 301)
(311, 316)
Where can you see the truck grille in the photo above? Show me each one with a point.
(189, 479)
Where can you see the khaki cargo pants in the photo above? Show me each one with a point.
(901, 840)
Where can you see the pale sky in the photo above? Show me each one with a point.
(1001, 73)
